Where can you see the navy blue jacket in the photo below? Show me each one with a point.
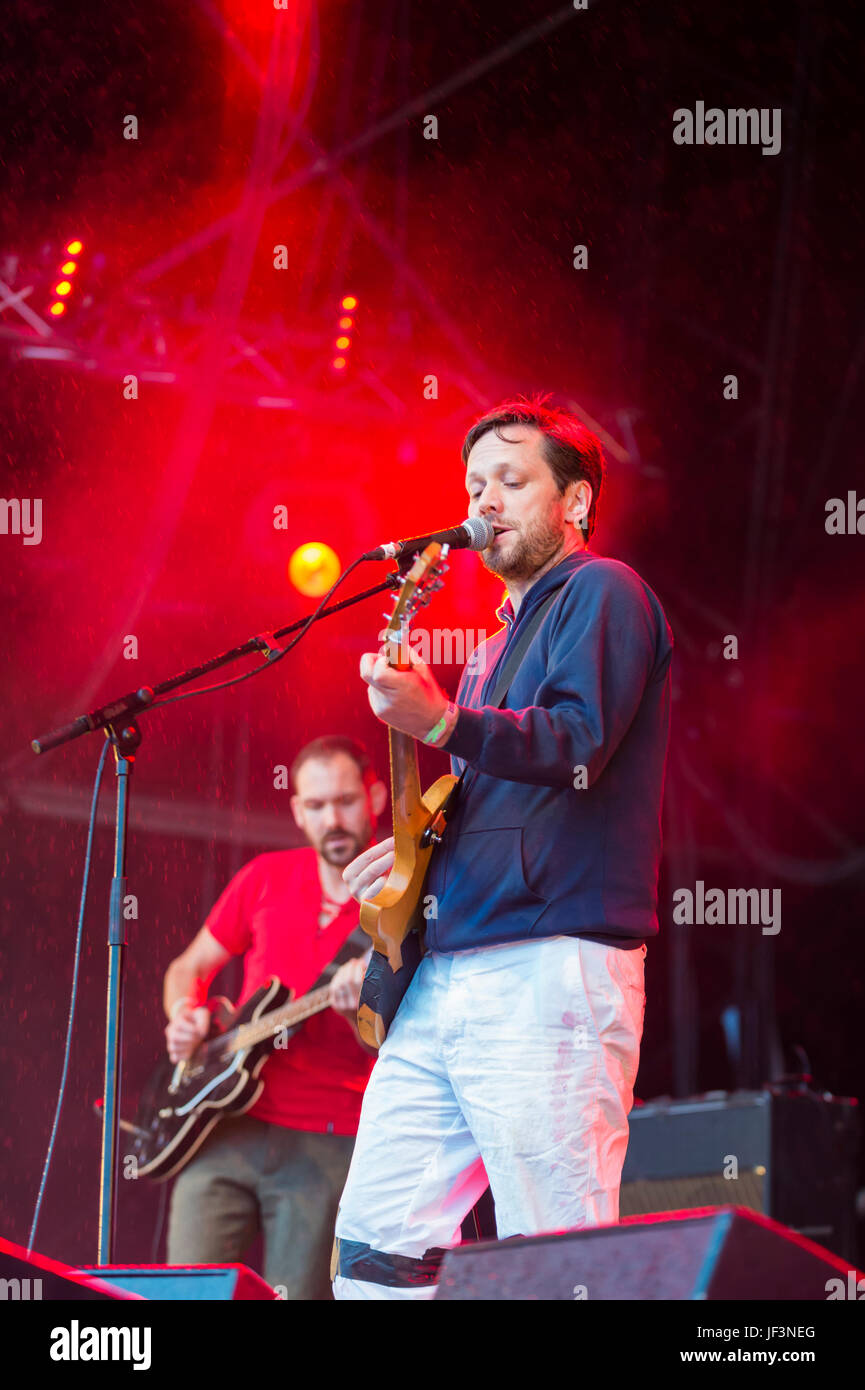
(529, 852)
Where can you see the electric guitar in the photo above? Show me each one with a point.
(393, 919)
(182, 1102)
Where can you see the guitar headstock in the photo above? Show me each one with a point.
(416, 590)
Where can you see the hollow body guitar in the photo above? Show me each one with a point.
(182, 1102)
(394, 918)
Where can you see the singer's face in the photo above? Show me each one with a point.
(332, 806)
(510, 483)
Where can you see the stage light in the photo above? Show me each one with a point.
(64, 287)
(342, 342)
(313, 568)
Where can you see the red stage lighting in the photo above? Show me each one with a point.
(346, 322)
(74, 248)
(339, 363)
(57, 310)
(68, 268)
(349, 302)
(63, 288)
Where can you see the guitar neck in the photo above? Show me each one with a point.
(248, 1034)
(405, 791)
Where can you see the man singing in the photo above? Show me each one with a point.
(280, 1167)
(513, 1055)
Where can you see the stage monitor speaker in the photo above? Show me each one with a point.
(190, 1283)
(789, 1154)
(728, 1253)
(28, 1278)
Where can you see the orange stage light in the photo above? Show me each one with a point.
(63, 288)
(74, 248)
(68, 268)
(349, 302)
(346, 322)
(339, 363)
(343, 342)
(57, 310)
(313, 568)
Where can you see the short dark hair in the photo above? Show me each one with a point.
(330, 746)
(572, 451)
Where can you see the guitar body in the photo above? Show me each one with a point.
(181, 1103)
(394, 919)
(383, 989)
(393, 913)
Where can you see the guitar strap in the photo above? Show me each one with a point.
(506, 670)
(518, 649)
(355, 944)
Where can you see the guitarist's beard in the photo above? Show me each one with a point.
(342, 849)
(527, 550)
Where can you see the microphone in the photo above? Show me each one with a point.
(473, 534)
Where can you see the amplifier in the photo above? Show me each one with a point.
(789, 1154)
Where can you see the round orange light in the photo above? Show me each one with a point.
(346, 322)
(343, 342)
(339, 363)
(349, 302)
(313, 568)
(57, 310)
(69, 268)
(74, 248)
(65, 287)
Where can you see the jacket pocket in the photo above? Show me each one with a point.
(485, 875)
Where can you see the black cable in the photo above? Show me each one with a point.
(272, 656)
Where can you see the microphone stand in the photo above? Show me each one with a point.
(118, 721)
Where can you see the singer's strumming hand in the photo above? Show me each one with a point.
(411, 701)
(366, 875)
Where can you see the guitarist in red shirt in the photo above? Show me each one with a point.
(280, 1167)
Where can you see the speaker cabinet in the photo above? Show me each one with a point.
(32, 1278)
(791, 1155)
(191, 1283)
(728, 1253)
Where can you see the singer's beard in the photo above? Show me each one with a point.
(529, 550)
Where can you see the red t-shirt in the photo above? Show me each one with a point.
(270, 911)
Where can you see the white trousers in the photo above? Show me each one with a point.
(510, 1064)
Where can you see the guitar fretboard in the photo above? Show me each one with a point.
(269, 1025)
